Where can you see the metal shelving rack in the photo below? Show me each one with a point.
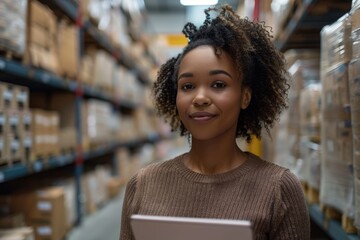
(34, 78)
(303, 31)
(309, 17)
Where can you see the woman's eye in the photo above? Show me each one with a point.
(218, 85)
(187, 86)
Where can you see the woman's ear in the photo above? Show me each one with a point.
(246, 97)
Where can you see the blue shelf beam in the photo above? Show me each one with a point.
(28, 75)
(331, 227)
(8, 173)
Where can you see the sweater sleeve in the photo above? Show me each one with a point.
(291, 217)
(128, 209)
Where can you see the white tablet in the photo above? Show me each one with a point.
(180, 228)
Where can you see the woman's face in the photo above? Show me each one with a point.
(209, 95)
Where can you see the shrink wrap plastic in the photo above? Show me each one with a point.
(13, 14)
(354, 92)
(337, 185)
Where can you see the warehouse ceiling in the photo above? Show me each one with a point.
(169, 16)
(175, 6)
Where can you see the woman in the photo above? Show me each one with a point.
(228, 82)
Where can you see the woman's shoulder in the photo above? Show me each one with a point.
(273, 170)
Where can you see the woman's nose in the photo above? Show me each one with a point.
(201, 98)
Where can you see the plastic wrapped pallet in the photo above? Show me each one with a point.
(13, 14)
(303, 68)
(336, 134)
(310, 98)
(310, 133)
(354, 87)
(303, 72)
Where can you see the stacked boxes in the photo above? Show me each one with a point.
(41, 39)
(354, 87)
(45, 133)
(15, 124)
(103, 70)
(68, 48)
(44, 210)
(23, 233)
(336, 134)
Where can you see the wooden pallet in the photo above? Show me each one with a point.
(347, 224)
(67, 150)
(43, 156)
(312, 195)
(11, 162)
(304, 186)
(70, 77)
(331, 213)
(11, 55)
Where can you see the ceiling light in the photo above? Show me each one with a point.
(198, 2)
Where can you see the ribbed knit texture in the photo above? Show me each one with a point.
(268, 195)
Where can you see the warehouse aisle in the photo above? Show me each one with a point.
(102, 225)
(105, 223)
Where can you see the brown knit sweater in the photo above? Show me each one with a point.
(264, 193)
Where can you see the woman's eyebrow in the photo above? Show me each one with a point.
(212, 72)
(218, 71)
(185, 75)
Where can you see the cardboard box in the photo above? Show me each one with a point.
(26, 146)
(42, 16)
(113, 187)
(15, 152)
(4, 122)
(39, 36)
(67, 139)
(25, 122)
(13, 121)
(38, 132)
(41, 57)
(13, 220)
(45, 210)
(23, 233)
(68, 49)
(10, 148)
(22, 98)
(3, 150)
(7, 93)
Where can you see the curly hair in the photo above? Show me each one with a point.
(262, 66)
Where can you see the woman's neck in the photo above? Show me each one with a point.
(213, 157)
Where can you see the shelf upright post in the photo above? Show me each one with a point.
(79, 159)
(116, 107)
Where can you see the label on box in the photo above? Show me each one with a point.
(27, 119)
(15, 144)
(44, 230)
(14, 119)
(27, 142)
(44, 206)
(8, 95)
(22, 97)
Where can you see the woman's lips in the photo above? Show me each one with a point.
(202, 116)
